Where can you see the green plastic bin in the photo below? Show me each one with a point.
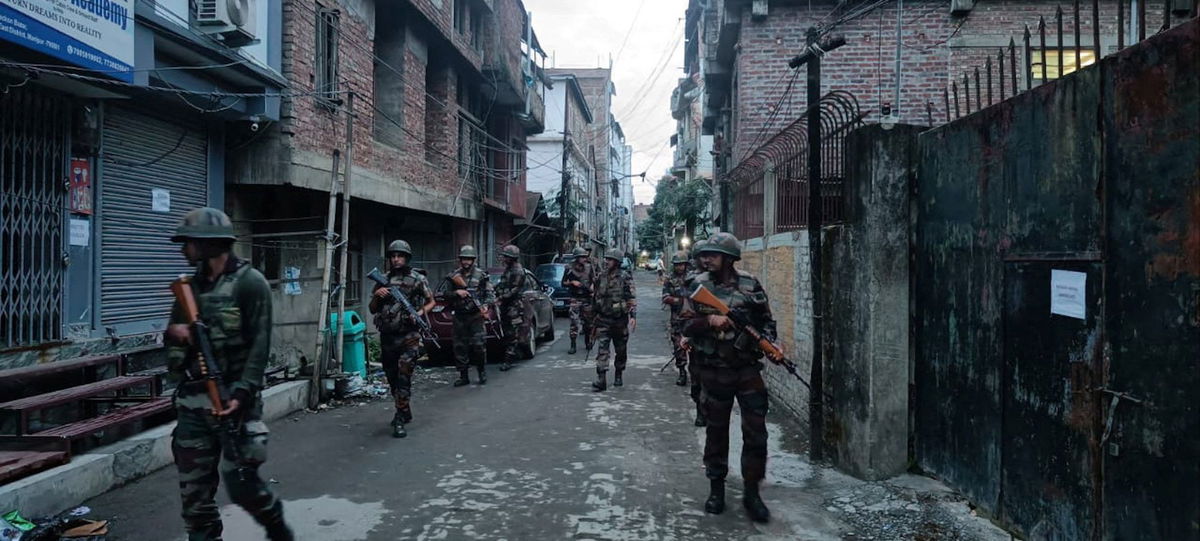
(354, 345)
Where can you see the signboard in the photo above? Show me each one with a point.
(81, 231)
(79, 199)
(92, 34)
(1068, 293)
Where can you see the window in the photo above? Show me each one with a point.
(325, 74)
(476, 31)
(1056, 65)
(460, 16)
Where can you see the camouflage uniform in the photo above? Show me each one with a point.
(675, 290)
(399, 336)
(729, 369)
(615, 303)
(237, 310)
(581, 306)
(469, 345)
(512, 309)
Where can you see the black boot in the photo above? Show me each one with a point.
(278, 530)
(482, 373)
(601, 382)
(572, 350)
(701, 420)
(715, 504)
(617, 381)
(398, 421)
(463, 379)
(506, 366)
(755, 508)
(682, 379)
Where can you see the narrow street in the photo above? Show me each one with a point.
(535, 454)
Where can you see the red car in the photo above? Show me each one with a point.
(539, 310)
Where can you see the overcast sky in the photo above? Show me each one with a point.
(584, 33)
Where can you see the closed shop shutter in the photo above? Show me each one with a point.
(144, 154)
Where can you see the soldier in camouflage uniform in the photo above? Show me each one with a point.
(234, 301)
(399, 334)
(469, 315)
(673, 295)
(581, 278)
(729, 369)
(615, 306)
(512, 309)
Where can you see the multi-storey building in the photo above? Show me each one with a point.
(560, 164)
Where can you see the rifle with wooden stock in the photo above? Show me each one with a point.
(742, 323)
(207, 370)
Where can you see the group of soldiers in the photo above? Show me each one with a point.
(233, 313)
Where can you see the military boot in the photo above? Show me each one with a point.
(701, 420)
(572, 350)
(278, 530)
(482, 373)
(715, 504)
(506, 366)
(752, 501)
(463, 379)
(682, 379)
(617, 381)
(601, 382)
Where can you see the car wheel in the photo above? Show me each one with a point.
(549, 334)
(529, 347)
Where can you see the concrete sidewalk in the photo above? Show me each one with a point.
(105, 468)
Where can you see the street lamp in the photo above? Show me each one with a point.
(645, 253)
(684, 242)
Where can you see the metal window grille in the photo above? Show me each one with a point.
(33, 143)
(326, 61)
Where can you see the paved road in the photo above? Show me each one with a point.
(534, 454)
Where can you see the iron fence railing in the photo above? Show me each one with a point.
(1047, 51)
(771, 184)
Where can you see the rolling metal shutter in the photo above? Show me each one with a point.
(138, 259)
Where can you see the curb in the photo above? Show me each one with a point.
(102, 469)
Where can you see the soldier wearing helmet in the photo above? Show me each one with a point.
(234, 301)
(674, 293)
(469, 303)
(580, 277)
(728, 366)
(399, 335)
(615, 306)
(512, 307)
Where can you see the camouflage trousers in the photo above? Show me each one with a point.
(720, 387)
(399, 357)
(200, 455)
(512, 320)
(677, 351)
(582, 319)
(616, 332)
(469, 343)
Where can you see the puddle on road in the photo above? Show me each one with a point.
(325, 518)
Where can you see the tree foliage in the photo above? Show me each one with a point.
(676, 202)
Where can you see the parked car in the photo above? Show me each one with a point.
(539, 311)
(551, 274)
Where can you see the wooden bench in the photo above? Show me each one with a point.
(61, 437)
(23, 408)
(16, 380)
(17, 464)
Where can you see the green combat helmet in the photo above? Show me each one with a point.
(615, 255)
(204, 223)
(579, 252)
(723, 243)
(467, 251)
(510, 251)
(399, 246)
(680, 257)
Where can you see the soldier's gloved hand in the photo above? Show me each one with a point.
(462, 293)
(381, 293)
(719, 323)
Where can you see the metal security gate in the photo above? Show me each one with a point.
(33, 141)
(154, 172)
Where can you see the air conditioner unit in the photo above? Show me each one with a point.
(233, 21)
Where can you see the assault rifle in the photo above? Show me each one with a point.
(475, 305)
(740, 321)
(397, 295)
(208, 371)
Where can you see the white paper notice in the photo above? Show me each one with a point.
(291, 276)
(160, 200)
(1068, 293)
(81, 232)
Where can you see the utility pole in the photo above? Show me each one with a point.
(812, 57)
(314, 395)
(564, 192)
(345, 242)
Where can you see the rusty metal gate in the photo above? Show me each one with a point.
(1057, 323)
(34, 126)
(772, 181)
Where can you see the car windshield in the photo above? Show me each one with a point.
(550, 273)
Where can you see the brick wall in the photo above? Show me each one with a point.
(936, 48)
